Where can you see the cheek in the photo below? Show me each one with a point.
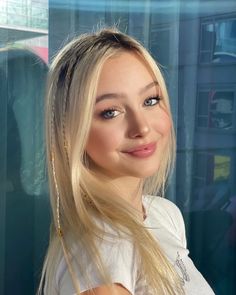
(163, 124)
(103, 140)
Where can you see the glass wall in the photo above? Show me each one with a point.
(24, 213)
(195, 42)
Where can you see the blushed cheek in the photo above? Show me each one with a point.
(165, 124)
(102, 142)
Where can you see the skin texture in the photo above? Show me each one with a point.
(130, 129)
(103, 290)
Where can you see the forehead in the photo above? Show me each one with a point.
(125, 70)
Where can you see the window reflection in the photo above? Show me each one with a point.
(24, 177)
(30, 13)
(218, 43)
(221, 168)
(215, 109)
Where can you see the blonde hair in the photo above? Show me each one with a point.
(76, 192)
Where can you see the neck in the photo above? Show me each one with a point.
(130, 189)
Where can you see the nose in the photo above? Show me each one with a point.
(138, 125)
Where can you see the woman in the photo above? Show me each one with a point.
(111, 145)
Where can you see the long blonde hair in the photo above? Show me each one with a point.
(76, 192)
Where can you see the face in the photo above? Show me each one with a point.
(130, 127)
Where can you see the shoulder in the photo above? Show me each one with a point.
(164, 212)
(162, 206)
(117, 255)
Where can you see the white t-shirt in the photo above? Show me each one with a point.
(165, 222)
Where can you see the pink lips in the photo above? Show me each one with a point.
(142, 151)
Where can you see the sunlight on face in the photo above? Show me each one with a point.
(130, 127)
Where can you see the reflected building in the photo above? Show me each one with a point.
(206, 133)
(25, 23)
(23, 189)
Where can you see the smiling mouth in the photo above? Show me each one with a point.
(142, 151)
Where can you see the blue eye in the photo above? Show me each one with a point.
(151, 101)
(109, 113)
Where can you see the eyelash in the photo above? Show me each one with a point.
(157, 98)
(104, 113)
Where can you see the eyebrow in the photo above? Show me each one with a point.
(117, 95)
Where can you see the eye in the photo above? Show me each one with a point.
(109, 114)
(151, 101)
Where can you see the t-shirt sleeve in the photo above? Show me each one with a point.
(181, 227)
(175, 218)
(119, 259)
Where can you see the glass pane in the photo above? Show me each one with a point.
(24, 208)
(221, 168)
(221, 110)
(202, 122)
(218, 38)
(205, 57)
(203, 101)
(208, 33)
(225, 47)
(159, 41)
(215, 110)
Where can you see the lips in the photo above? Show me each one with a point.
(142, 151)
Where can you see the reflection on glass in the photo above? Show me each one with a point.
(211, 178)
(21, 13)
(221, 110)
(218, 41)
(221, 168)
(225, 38)
(215, 109)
